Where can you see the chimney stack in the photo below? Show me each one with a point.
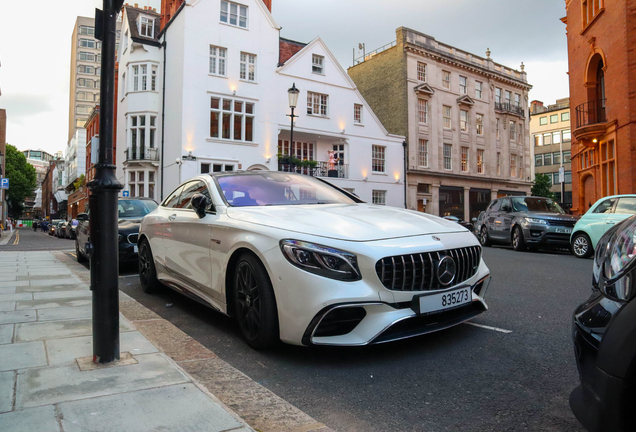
(137, 5)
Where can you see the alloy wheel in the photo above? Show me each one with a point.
(515, 239)
(144, 264)
(484, 235)
(580, 246)
(249, 301)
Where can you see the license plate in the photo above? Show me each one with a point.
(438, 302)
(563, 230)
(135, 249)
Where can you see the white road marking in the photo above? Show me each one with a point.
(489, 327)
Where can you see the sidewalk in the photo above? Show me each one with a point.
(48, 381)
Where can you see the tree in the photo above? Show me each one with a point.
(542, 185)
(22, 180)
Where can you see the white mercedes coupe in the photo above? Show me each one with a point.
(297, 259)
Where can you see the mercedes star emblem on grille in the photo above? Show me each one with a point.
(446, 270)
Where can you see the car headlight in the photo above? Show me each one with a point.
(536, 221)
(321, 260)
(614, 259)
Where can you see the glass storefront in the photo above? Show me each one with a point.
(451, 201)
(478, 201)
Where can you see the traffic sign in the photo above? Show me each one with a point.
(126, 193)
(4, 183)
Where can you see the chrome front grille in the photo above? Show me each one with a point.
(563, 223)
(418, 272)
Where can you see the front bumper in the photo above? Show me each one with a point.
(127, 252)
(540, 235)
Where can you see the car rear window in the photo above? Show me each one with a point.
(626, 206)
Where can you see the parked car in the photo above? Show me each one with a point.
(463, 223)
(53, 226)
(70, 229)
(297, 259)
(604, 330)
(60, 229)
(525, 222)
(604, 214)
(130, 213)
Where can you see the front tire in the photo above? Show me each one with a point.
(484, 238)
(518, 242)
(581, 246)
(80, 257)
(255, 304)
(147, 270)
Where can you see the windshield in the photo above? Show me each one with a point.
(273, 188)
(532, 204)
(135, 208)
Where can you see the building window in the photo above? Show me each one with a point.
(508, 97)
(556, 137)
(219, 167)
(556, 158)
(83, 109)
(478, 89)
(142, 75)
(146, 27)
(547, 159)
(87, 43)
(422, 111)
(566, 156)
(86, 56)
(517, 100)
(498, 163)
(537, 140)
(538, 160)
(513, 130)
(141, 133)
(86, 30)
(135, 78)
(446, 76)
(448, 156)
(447, 117)
(233, 14)
(547, 138)
(231, 119)
(377, 159)
(520, 166)
(153, 79)
(205, 168)
(87, 96)
(608, 167)
(565, 116)
(543, 121)
(217, 60)
(590, 9)
(479, 121)
(480, 161)
(317, 104)
(83, 69)
(87, 83)
(421, 71)
(465, 160)
(357, 113)
(568, 177)
(554, 118)
(423, 153)
(463, 85)
(497, 127)
(248, 67)
(497, 95)
(513, 165)
(378, 197)
(317, 64)
(567, 136)
(463, 120)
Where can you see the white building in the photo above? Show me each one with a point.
(226, 103)
(75, 157)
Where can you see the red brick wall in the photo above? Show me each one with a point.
(287, 51)
(612, 34)
(168, 9)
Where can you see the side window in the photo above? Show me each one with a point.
(505, 204)
(199, 187)
(605, 206)
(171, 201)
(495, 206)
(626, 206)
(189, 189)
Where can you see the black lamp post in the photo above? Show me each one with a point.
(292, 93)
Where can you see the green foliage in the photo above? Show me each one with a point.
(22, 180)
(542, 185)
(81, 181)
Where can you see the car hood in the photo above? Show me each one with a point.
(128, 225)
(354, 222)
(550, 216)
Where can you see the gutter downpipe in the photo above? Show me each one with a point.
(405, 145)
(163, 107)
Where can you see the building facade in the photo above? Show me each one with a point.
(40, 160)
(601, 42)
(3, 151)
(551, 138)
(464, 117)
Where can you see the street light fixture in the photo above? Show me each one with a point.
(292, 93)
(179, 162)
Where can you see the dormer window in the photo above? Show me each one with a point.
(317, 64)
(146, 27)
(233, 14)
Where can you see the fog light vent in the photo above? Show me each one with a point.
(340, 321)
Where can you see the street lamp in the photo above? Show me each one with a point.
(179, 162)
(292, 93)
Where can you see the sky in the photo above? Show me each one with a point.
(35, 58)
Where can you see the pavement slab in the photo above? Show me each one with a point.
(13, 284)
(58, 329)
(51, 276)
(7, 306)
(22, 355)
(63, 351)
(40, 419)
(61, 294)
(8, 290)
(52, 288)
(55, 282)
(7, 386)
(6, 334)
(64, 313)
(12, 317)
(15, 297)
(53, 303)
(5, 278)
(68, 383)
(176, 408)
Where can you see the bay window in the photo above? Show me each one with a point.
(231, 119)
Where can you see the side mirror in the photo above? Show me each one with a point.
(200, 204)
(82, 217)
(473, 220)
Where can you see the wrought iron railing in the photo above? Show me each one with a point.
(508, 107)
(323, 169)
(591, 113)
(141, 154)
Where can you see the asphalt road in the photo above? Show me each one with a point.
(466, 378)
(25, 239)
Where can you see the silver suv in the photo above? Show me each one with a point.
(525, 222)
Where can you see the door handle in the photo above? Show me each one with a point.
(172, 217)
(611, 223)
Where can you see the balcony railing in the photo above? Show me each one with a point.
(140, 154)
(591, 113)
(508, 107)
(323, 169)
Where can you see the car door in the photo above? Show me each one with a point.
(506, 216)
(491, 217)
(624, 208)
(596, 219)
(82, 234)
(187, 245)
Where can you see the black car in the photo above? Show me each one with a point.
(604, 332)
(463, 223)
(131, 212)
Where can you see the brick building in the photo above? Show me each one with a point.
(601, 38)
